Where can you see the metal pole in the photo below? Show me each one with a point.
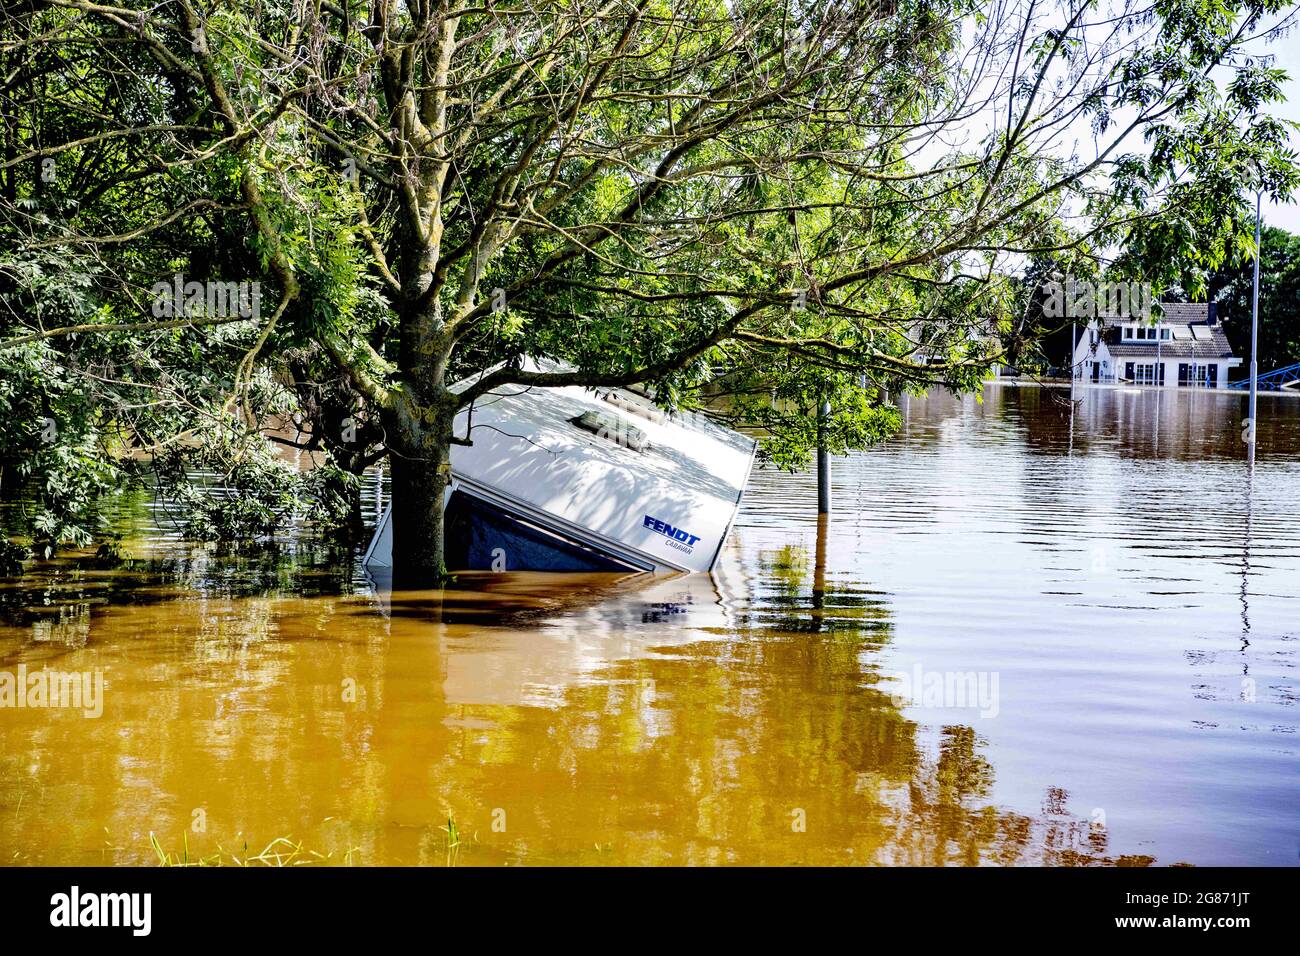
(1160, 362)
(1074, 350)
(823, 462)
(1074, 367)
(1254, 332)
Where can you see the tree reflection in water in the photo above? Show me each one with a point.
(605, 721)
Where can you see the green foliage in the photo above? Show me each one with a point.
(235, 488)
(228, 491)
(110, 553)
(58, 451)
(1279, 298)
(12, 557)
(327, 497)
(747, 206)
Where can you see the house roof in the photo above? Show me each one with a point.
(1193, 334)
(1171, 313)
(1215, 348)
(1185, 312)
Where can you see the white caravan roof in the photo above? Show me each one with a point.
(657, 489)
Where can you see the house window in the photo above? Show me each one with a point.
(1144, 334)
(1128, 332)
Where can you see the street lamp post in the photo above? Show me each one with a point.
(1254, 334)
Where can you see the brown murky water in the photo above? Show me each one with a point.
(1118, 595)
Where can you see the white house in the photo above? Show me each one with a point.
(1186, 346)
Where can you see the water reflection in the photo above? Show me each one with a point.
(678, 721)
(1141, 616)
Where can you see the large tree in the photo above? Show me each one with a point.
(787, 201)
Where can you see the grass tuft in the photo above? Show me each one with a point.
(281, 851)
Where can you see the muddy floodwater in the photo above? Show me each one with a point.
(1021, 638)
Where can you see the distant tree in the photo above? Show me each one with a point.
(787, 200)
(1279, 300)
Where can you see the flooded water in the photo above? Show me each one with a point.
(1021, 638)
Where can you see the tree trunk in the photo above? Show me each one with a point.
(421, 465)
(419, 424)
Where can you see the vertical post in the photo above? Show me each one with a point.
(1160, 363)
(1245, 551)
(823, 461)
(1254, 334)
(1074, 356)
(819, 569)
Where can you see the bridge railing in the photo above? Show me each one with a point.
(1274, 380)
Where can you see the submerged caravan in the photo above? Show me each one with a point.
(581, 479)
